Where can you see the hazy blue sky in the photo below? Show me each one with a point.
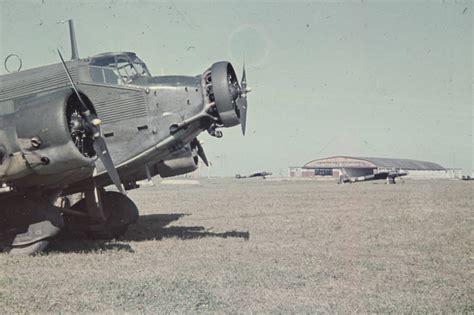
(360, 78)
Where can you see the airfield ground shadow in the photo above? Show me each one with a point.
(154, 226)
(148, 227)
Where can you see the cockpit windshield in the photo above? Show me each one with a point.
(117, 68)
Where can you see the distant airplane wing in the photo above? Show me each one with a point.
(381, 175)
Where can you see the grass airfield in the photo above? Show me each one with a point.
(254, 245)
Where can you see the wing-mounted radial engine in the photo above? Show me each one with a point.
(224, 105)
(50, 143)
(225, 101)
(226, 98)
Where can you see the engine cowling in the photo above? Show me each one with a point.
(182, 162)
(45, 138)
(223, 89)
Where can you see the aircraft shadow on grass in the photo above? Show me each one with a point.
(149, 227)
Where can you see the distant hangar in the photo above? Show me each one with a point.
(362, 166)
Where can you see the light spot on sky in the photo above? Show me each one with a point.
(248, 43)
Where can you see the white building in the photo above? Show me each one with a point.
(362, 166)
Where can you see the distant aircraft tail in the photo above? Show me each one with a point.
(343, 178)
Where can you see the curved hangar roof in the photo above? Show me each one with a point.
(368, 162)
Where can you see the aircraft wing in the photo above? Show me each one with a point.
(381, 175)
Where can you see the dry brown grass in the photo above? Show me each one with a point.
(252, 245)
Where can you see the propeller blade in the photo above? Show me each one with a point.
(196, 145)
(100, 148)
(99, 144)
(201, 153)
(242, 104)
(84, 107)
(243, 82)
(242, 101)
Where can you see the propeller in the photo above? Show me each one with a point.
(202, 154)
(200, 150)
(242, 101)
(92, 126)
(229, 96)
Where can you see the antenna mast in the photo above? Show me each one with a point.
(72, 35)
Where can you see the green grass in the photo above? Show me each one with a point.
(267, 246)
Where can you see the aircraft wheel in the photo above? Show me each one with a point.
(31, 249)
(27, 224)
(119, 211)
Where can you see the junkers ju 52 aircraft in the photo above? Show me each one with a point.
(78, 126)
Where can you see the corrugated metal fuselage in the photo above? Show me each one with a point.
(136, 118)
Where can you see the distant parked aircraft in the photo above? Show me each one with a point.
(389, 176)
(260, 174)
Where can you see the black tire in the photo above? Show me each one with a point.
(119, 211)
(31, 249)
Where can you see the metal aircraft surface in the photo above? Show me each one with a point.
(76, 127)
(259, 174)
(389, 176)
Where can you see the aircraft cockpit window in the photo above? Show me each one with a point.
(117, 69)
(126, 69)
(130, 69)
(140, 67)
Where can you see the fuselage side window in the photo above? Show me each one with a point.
(97, 74)
(110, 76)
(103, 75)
